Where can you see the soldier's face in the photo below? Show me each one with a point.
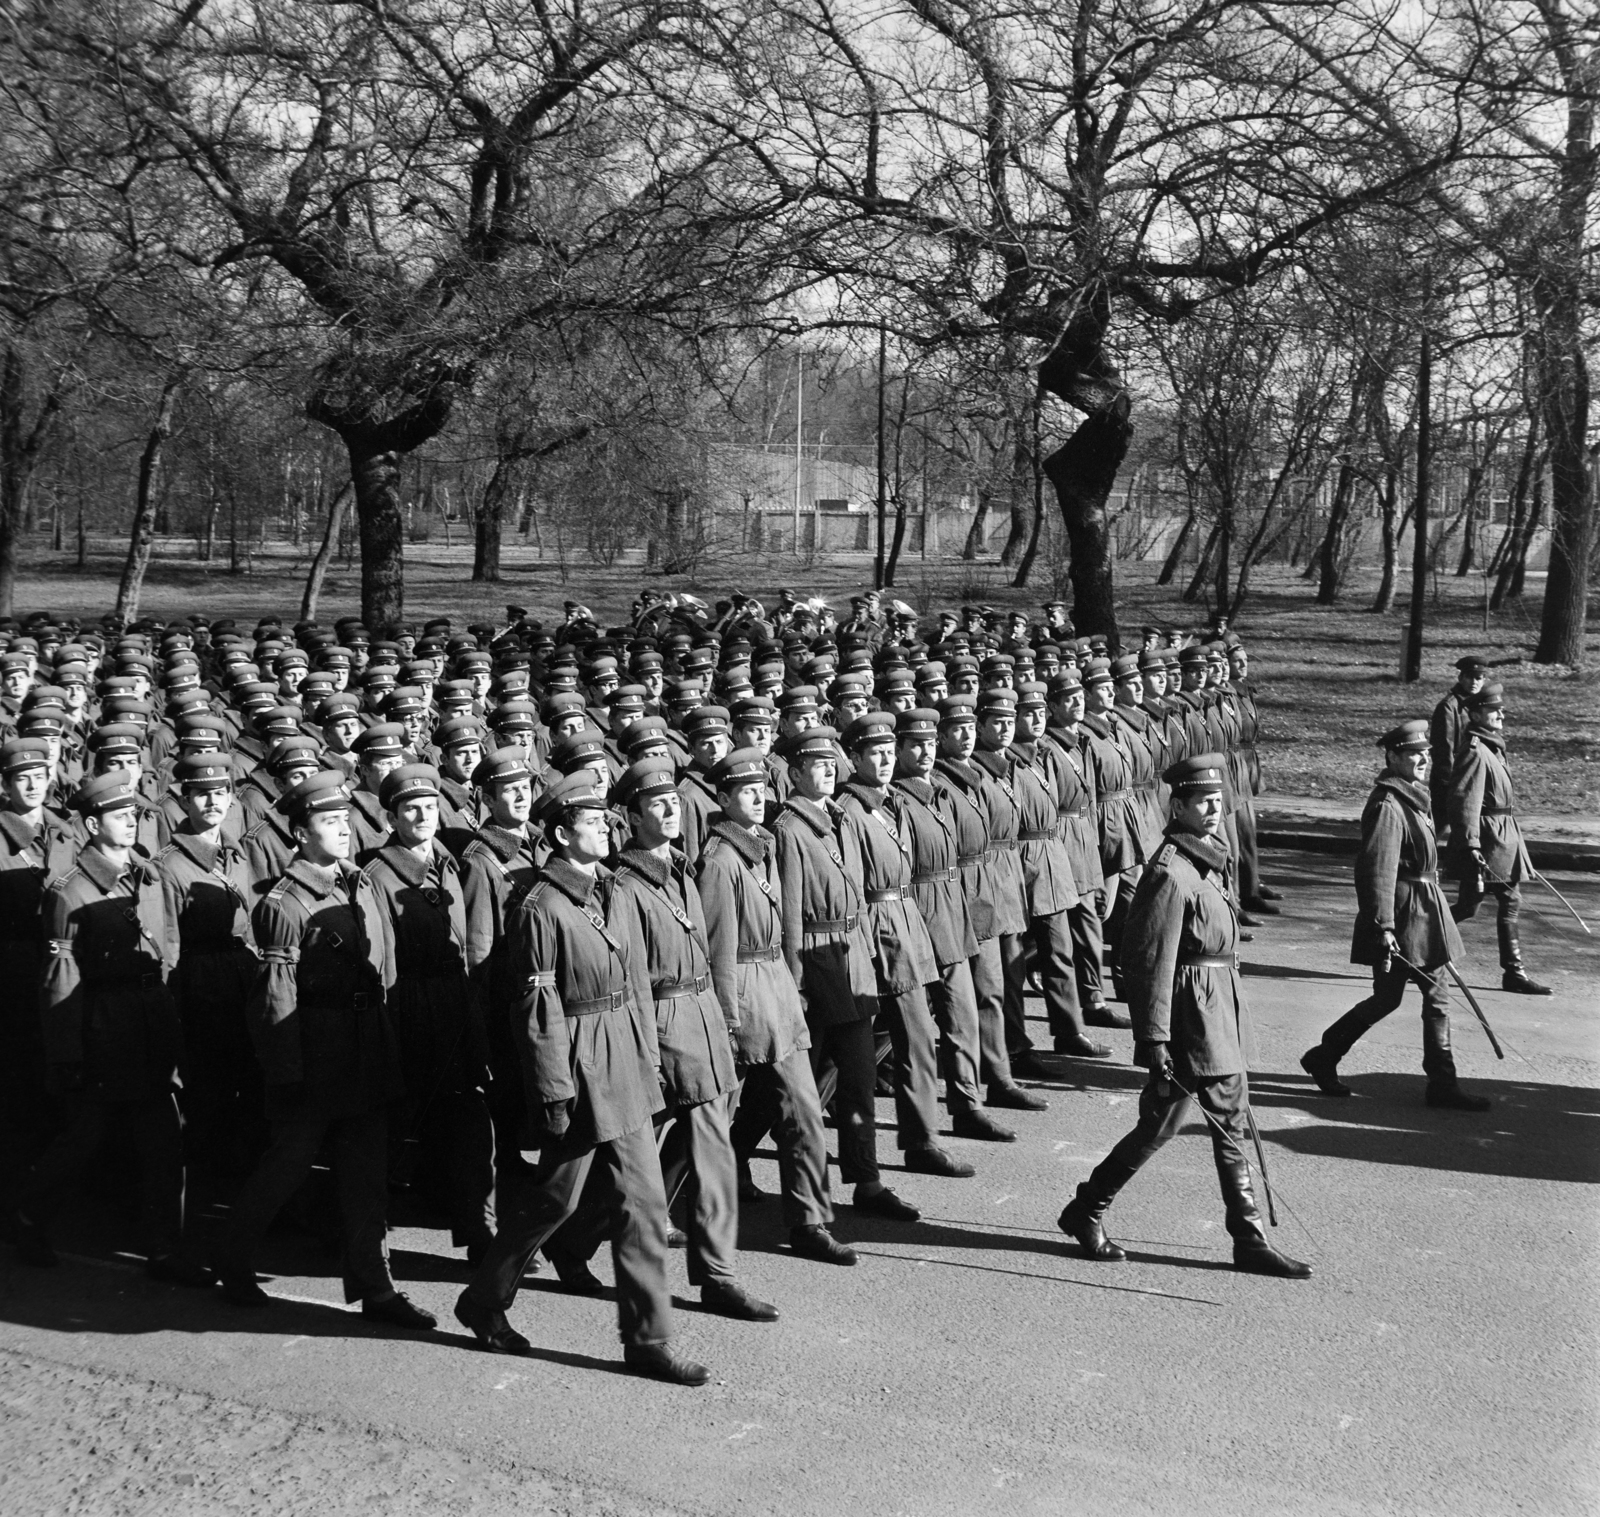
(341, 733)
(584, 835)
(1410, 764)
(958, 739)
(460, 759)
(510, 801)
(757, 736)
(1030, 722)
(817, 777)
(1494, 718)
(291, 678)
(657, 819)
(120, 763)
(1198, 811)
(914, 757)
(875, 763)
(899, 700)
(1467, 684)
(416, 821)
(413, 724)
(1130, 691)
(325, 836)
(16, 683)
(997, 731)
(1155, 683)
(116, 829)
(712, 747)
(1100, 696)
(1239, 663)
(480, 683)
(206, 808)
(26, 789)
(745, 805)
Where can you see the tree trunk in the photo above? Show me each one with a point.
(1035, 457)
(1202, 570)
(491, 521)
(1175, 552)
(375, 474)
(1469, 519)
(20, 446)
(1384, 599)
(975, 533)
(1224, 567)
(1565, 383)
(891, 564)
(141, 537)
(1519, 497)
(1411, 666)
(1083, 470)
(1508, 584)
(324, 554)
(1330, 556)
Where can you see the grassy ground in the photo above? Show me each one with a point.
(1327, 675)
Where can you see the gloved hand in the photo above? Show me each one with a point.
(1391, 946)
(1157, 1058)
(557, 1118)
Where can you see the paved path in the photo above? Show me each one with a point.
(1442, 1361)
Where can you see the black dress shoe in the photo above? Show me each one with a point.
(170, 1269)
(1029, 1066)
(489, 1326)
(1077, 1224)
(729, 1299)
(1102, 1015)
(1323, 1068)
(575, 1275)
(1262, 907)
(33, 1244)
(399, 1311)
(1451, 1097)
(1521, 983)
(677, 1238)
(242, 1290)
(1083, 1048)
(819, 1244)
(930, 1159)
(1247, 937)
(884, 1203)
(1246, 920)
(659, 1362)
(975, 1124)
(1015, 1098)
(1267, 893)
(1264, 1259)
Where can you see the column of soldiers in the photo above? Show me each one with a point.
(557, 925)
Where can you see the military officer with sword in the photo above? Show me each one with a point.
(1403, 930)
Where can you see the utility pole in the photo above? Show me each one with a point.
(799, 423)
(1411, 670)
(883, 473)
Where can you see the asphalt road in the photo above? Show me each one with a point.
(1443, 1359)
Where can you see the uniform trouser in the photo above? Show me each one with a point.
(1388, 990)
(152, 1127)
(1244, 821)
(637, 1226)
(784, 1099)
(999, 979)
(1119, 897)
(450, 1138)
(913, 1063)
(844, 1061)
(224, 1128)
(697, 1152)
(1052, 942)
(1163, 1109)
(952, 999)
(1508, 909)
(1088, 944)
(360, 1147)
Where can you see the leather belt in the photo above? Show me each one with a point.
(1207, 962)
(146, 981)
(1115, 795)
(760, 955)
(1035, 835)
(595, 1006)
(1005, 845)
(1412, 877)
(882, 897)
(1496, 811)
(1072, 816)
(935, 876)
(972, 860)
(828, 924)
(693, 987)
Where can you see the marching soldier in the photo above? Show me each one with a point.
(590, 1059)
(742, 895)
(437, 1020)
(111, 1033)
(327, 1056)
(1483, 822)
(1447, 732)
(1181, 965)
(1400, 915)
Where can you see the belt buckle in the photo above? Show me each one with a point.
(702, 983)
(149, 981)
(361, 1001)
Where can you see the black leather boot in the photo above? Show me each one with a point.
(1252, 1254)
(1322, 1064)
(1448, 1095)
(1080, 1219)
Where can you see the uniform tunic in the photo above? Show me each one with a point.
(1483, 807)
(1397, 880)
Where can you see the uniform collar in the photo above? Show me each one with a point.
(413, 870)
(997, 763)
(645, 863)
(869, 795)
(817, 816)
(1096, 724)
(203, 853)
(918, 790)
(104, 873)
(22, 835)
(505, 844)
(1414, 795)
(571, 881)
(1494, 740)
(1208, 853)
(751, 844)
(319, 879)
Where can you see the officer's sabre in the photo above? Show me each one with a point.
(1261, 1159)
(1472, 1000)
(1564, 901)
